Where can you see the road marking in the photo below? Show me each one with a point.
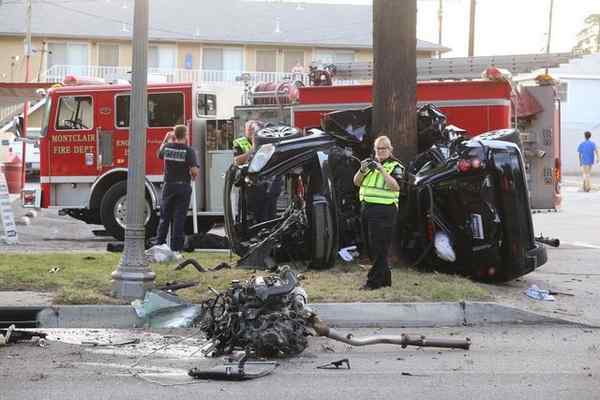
(582, 244)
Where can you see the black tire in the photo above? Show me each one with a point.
(504, 135)
(274, 134)
(114, 195)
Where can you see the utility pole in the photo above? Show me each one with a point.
(472, 28)
(28, 51)
(440, 24)
(395, 74)
(549, 29)
(132, 276)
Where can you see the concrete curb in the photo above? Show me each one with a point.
(343, 315)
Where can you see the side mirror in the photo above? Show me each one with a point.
(18, 121)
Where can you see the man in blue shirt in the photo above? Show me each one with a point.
(587, 150)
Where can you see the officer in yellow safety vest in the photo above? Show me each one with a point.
(379, 181)
(242, 147)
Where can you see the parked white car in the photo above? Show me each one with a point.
(32, 159)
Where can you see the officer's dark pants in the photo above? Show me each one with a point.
(173, 209)
(378, 223)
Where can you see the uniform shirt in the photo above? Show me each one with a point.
(179, 158)
(586, 152)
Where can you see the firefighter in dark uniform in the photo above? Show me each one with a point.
(379, 181)
(181, 165)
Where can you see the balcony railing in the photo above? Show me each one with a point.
(173, 75)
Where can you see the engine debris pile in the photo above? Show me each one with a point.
(268, 317)
(264, 316)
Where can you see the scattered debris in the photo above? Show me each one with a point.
(555, 293)
(536, 293)
(164, 310)
(200, 268)
(14, 335)
(554, 242)
(174, 286)
(348, 253)
(327, 349)
(190, 261)
(268, 317)
(161, 253)
(110, 344)
(235, 371)
(335, 364)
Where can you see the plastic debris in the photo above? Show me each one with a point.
(163, 310)
(348, 253)
(443, 247)
(536, 293)
(162, 253)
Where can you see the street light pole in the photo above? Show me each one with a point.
(132, 276)
(472, 11)
(549, 29)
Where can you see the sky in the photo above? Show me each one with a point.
(501, 26)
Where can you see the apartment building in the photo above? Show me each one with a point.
(217, 38)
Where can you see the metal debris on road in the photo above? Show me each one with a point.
(338, 364)
(14, 335)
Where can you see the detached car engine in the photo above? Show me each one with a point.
(264, 316)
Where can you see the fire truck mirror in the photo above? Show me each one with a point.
(207, 104)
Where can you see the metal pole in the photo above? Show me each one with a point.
(440, 24)
(472, 28)
(549, 30)
(132, 276)
(26, 104)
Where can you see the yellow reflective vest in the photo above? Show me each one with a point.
(243, 143)
(374, 190)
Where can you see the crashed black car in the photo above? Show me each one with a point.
(464, 207)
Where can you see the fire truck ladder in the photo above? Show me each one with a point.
(460, 68)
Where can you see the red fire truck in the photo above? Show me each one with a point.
(84, 150)
(86, 126)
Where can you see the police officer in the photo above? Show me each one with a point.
(242, 147)
(181, 165)
(379, 181)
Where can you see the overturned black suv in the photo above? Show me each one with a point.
(464, 207)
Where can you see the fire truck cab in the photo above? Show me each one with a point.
(84, 150)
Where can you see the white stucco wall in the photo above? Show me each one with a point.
(580, 113)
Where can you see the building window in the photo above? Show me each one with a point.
(222, 64)
(266, 60)
(108, 55)
(164, 110)
(75, 113)
(162, 57)
(291, 57)
(223, 59)
(333, 56)
(71, 54)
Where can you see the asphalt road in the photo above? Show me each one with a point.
(505, 362)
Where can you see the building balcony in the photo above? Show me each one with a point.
(164, 75)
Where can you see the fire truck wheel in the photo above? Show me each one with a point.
(113, 212)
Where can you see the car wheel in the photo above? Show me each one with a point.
(504, 135)
(275, 134)
(113, 212)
